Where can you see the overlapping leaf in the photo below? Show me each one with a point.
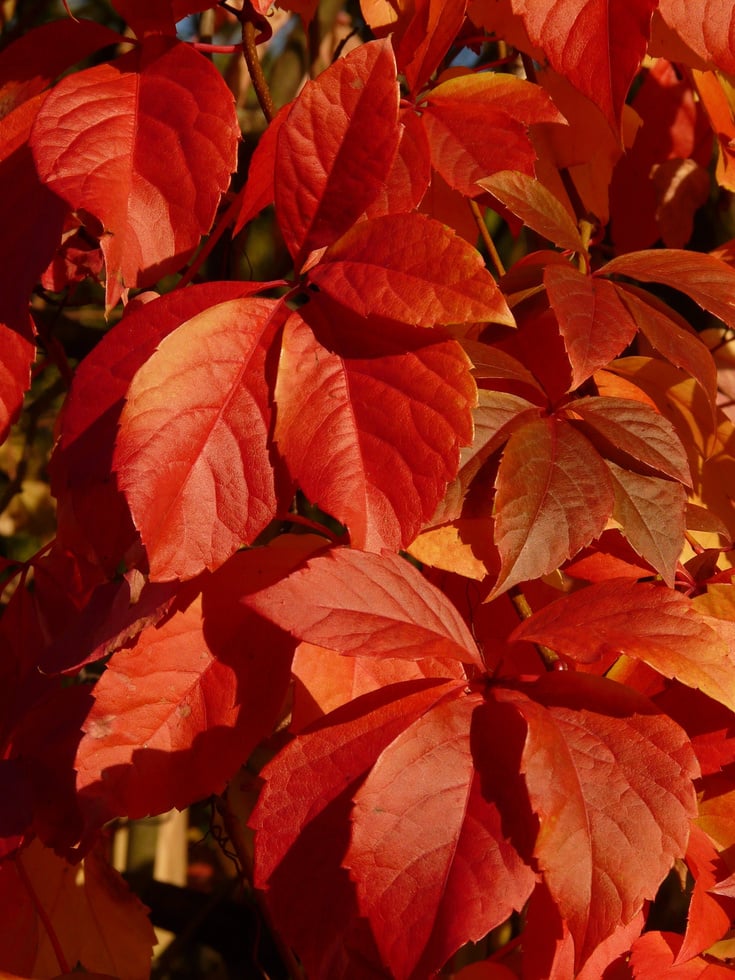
(412, 269)
(593, 321)
(427, 841)
(706, 26)
(554, 495)
(597, 47)
(175, 716)
(336, 148)
(145, 145)
(370, 419)
(196, 421)
(478, 124)
(301, 825)
(644, 621)
(368, 605)
(611, 782)
(93, 518)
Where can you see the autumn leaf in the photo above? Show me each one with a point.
(175, 716)
(554, 495)
(171, 451)
(371, 605)
(641, 620)
(383, 267)
(597, 47)
(324, 185)
(426, 842)
(149, 126)
(599, 820)
(342, 387)
(593, 321)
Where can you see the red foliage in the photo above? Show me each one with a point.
(318, 506)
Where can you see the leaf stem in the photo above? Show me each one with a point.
(250, 51)
(523, 608)
(486, 238)
(243, 850)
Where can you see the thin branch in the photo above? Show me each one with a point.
(522, 607)
(250, 50)
(487, 239)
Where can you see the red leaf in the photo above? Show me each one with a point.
(410, 173)
(635, 429)
(24, 203)
(459, 112)
(593, 321)
(146, 145)
(536, 206)
(554, 495)
(654, 955)
(671, 336)
(432, 28)
(705, 279)
(197, 417)
(336, 148)
(707, 27)
(431, 864)
(15, 376)
(99, 922)
(598, 47)
(34, 60)
(611, 782)
(410, 268)
(367, 605)
(708, 918)
(159, 17)
(324, 680)
(640, 620)
(175, 716)
(370, 420)
(651, 512)
(302, 825)
(259, 190)
(93, 517)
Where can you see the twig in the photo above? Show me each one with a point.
(250, 50)
(486, 237)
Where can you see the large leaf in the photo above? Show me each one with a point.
(302, 826)
(146, 145)
(370, 419)
(410, 268)
(336, 148)
(611, 782)
(554, 495)
(192, 448)
(644, 621)
(597, 46)
(593, 321)
(458, 114)
(93, 519)
(432, 866)
(176, 716)
(367, 605)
